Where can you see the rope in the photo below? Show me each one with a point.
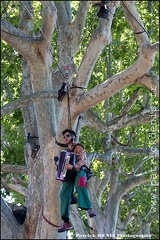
(69, 110)
(136, 21)
(52, 224)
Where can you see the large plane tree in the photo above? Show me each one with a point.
(98, 76)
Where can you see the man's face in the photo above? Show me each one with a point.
(67, 137)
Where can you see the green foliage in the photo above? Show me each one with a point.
(11, 75)
(12, 152)
(10, 11)
(90, 140)
(143, 208)
(13, 197)
(37, 20)
(13, 139)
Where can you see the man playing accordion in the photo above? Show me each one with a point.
(76, 169)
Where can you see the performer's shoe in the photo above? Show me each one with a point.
(65, 227)
(91, 213)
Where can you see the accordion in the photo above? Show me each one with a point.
(64, 158)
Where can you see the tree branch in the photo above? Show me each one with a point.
(104, 158)
(25, 100)
(135, 21)
(49, 15)
(99, 184)
(14, 169)
(133, 151)
(94, 121)
(80, 22)
(141, 118)
(100, 38)
(140, 164)
(17, 39)
(70, 33)
(133, 182)
(16, 187)
(115, 83)
(151, 81)
(131, 101)
(62, 18)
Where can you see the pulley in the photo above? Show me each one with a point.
(104, 10)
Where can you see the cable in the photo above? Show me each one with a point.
(15, 34)
(94, 114)
(136, 21)
(69, 110)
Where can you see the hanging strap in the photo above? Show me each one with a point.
(52, 224)
(60, 144)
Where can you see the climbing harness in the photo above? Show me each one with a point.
(65, 89)
(62, 92)
(65, 86)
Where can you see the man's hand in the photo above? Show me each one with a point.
(68, 166)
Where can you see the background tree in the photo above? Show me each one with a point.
(111, 101)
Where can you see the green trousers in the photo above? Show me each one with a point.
(66, 194)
